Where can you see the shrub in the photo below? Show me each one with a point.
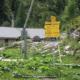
(36, 39)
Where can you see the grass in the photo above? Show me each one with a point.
(12, 53)
(38, 64)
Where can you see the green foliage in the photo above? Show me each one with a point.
(38, 65)
(11, 53)
(42, 10)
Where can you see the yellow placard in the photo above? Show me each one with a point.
(52, 31)
(52, 28)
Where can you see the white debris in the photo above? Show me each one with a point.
(18, 42)
(68, 52)
(44, 51)
(51, 44)
(67, 47)
(10, 60)
(3, 48)
(35, 43)
(1, 58)
(63, 35)
(56, 51)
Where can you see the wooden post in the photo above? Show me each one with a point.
(24, 33)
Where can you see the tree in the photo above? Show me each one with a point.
(14, 11)
(10, 10)
(2, 15)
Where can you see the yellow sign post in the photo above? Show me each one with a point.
(52, 28)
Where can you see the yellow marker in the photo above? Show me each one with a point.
(52, 28)
(52, 32)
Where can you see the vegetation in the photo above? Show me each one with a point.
(11, 53)
(15, 11)
(42, 64)
(38, 63)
